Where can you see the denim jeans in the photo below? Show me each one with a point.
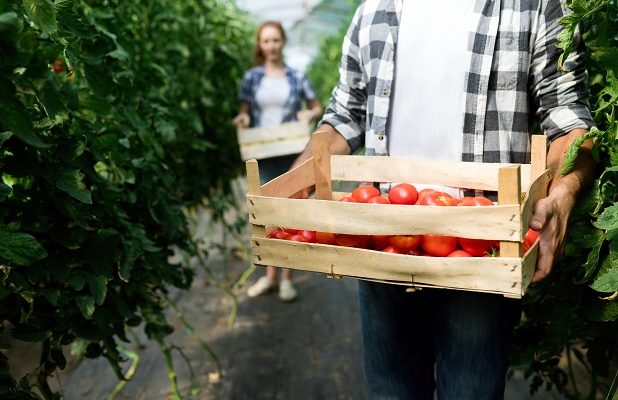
(454, 342)
(270, 168)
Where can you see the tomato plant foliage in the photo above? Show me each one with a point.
(114, 115)
(573, 315)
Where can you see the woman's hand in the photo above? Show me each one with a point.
(242, 121)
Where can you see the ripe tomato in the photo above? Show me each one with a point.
(380, 242)
(378, 200)
(436, 198)
(310, 236)
(404, 193)
(325, 237)
(348, 199)
(439, 246)
(406, 242)
(279, 234)
(475, 201)
(360, 241)
(291, 231)
(58, 65)
(363, 193)
(298, 238)
(393, 249)
(477, 247)
(530, 238)
(459, 253)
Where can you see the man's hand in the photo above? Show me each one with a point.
(551, 215)
(337, 145)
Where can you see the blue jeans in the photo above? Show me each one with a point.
(452, 341)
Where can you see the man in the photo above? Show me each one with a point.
(456, 80)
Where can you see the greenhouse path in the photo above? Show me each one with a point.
(308, 349)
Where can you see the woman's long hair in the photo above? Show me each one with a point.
(258, 57)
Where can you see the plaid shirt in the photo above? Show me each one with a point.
(512, 77)
(300, 90)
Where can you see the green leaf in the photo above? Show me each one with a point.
(573, 151)
(20, 248)
(4, 136)
(77, 281)
(128, 259)
(42, 13)
(86, 305)
(98, 287)
(63, 5)
(607, 282)
(15, 117)
(5, 191)
(29, 333)
(608, 220)
(604, 311)
(72, 182)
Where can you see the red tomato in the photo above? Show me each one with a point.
(363, 193)
(475, 201)
(477, 247)
(439, 246)
(404, 193)
(393, 249)
(298, 238)
(417, 252)
(58, 66)
(310, 236)
(530, 238)
(291, 231)
(459, 253)
(436, 198)
(325, 237)
(279, 234)
(379, 200)
(348, 199)
(380, 242)
(342, 239)
(406, 242)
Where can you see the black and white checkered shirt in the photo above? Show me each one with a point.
(512, 78)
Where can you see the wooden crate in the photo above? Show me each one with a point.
(287, 138)
(269, 205)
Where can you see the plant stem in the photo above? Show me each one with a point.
(130, 372)
(169, 366)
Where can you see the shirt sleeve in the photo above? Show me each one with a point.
(307, 90)
(561, 97)
(346, 111)
(246, 92)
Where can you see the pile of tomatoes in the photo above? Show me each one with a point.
(420, 245)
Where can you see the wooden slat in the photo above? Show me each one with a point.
(254, 189)
(292, 145)
(493, 274)
(528, 266)
(509, 193)
(285, 130)
(291, 182)
(497, 222)
(537, 191)
(321, 164)
(401, 169)
(538, 155)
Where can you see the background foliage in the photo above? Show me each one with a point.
(568, 338)
(110, 124)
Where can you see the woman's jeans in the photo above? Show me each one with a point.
(463, 335)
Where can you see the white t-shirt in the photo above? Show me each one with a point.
(432, 58)
(271, 96)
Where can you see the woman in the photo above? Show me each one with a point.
(273, 93)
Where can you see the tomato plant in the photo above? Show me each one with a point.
(403, 193)
(363, 193)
